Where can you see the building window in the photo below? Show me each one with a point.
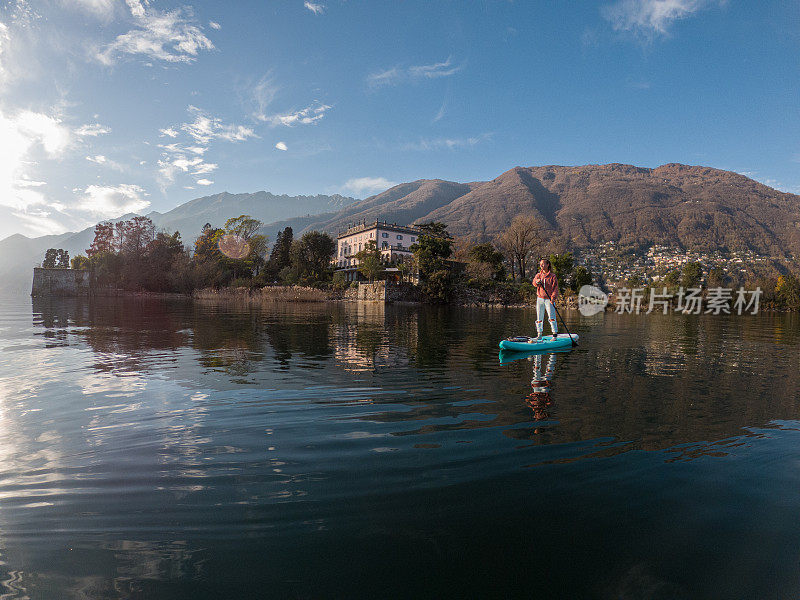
(385, 244)
(384, 234)
(413, 239)
(399, 237)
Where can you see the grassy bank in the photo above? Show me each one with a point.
(273, 293)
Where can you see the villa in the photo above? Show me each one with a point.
(394, 241)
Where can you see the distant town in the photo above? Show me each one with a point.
(617, 263)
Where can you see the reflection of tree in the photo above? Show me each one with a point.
(237, 335)
(58, 313)
(435, 336)
(124, 330)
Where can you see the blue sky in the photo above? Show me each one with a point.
(111, 106)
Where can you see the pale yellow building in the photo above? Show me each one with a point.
(394, 241)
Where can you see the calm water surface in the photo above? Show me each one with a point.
(154, 449)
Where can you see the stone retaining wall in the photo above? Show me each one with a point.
(60, 282)
(380, 291)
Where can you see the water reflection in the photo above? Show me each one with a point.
(148, 445)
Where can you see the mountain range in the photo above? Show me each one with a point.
(676, 205)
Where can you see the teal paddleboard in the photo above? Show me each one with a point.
(546, 342)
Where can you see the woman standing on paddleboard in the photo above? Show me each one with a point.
(546, 293)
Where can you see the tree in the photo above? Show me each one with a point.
(716, 278)
(56, 259)
(519, 242)
(487, 255)
(205, 246)
(369, 261)
(160, 256)
(258, 251)
(50, 257)
(431, 251)
(788, 290)
(281, 252)
(242, 245)
(135, 235)
(692, 275)
(105, 239)
(434, 245)
(311, 256)
(562, 265)
(244, 226)
(80, 263)
(63, 259)
(672, 279)
(407, 266)
(581, 276)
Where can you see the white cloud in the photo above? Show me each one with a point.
(205, 127)
(108, 201)
(101, 159)
(214, 25)
(204, 182)
(22, 134)
(264, 93)
(367, 185)
(37, 221)
(436, 70)
(5, 39)
(307, 116)
(314, 7)
(397, 75)
(92, 130)
(282, 146)
(185, 164)
(100, 8)
(178, 157)
(651, 17)
(170, 36)
(204, 168)
(441, 112)
(446, 143)
(387, 77)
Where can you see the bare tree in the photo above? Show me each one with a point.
(520, 242)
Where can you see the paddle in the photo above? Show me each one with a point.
(571, 339)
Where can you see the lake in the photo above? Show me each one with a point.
(169, 449)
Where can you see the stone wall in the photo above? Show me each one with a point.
(381, 291)
(60, 282)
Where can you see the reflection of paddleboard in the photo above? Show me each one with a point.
(546, 342)
(509, 356)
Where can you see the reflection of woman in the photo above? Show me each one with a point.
(539, 399)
